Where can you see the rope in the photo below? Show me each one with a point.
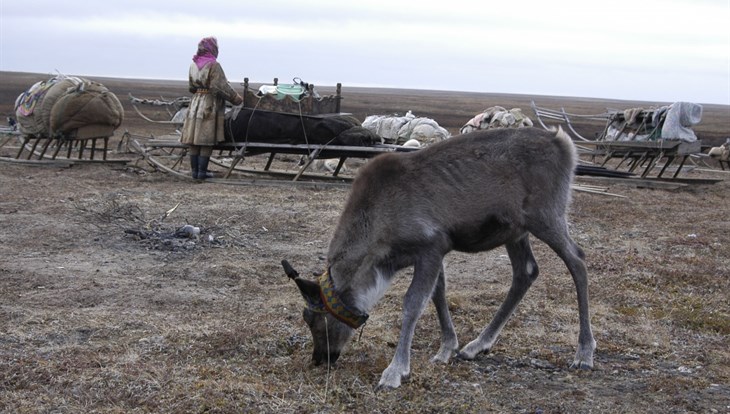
(242, 151)
(304, 128)
(327, 379)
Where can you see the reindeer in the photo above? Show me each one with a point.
(471, 193)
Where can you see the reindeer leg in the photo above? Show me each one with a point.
(586, 343)
(425, 276)
(524, 273)
(557, 238)
(449, 342)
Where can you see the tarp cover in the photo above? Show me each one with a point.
(397, 129)
(60, 106)
(680, 119)
(497, 117)
(254, 125)
(671, 122)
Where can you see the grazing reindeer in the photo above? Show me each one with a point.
(471, 193)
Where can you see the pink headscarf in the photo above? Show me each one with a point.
(207, 52)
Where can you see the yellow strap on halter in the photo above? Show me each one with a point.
(335, 306)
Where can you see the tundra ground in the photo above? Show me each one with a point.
(103, 309)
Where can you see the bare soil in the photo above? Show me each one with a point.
(104, 309)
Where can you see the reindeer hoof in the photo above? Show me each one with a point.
(384, 388)
(462, 356)
(391, 380)
(582, 365)
(443, 356)
(472, 349)
(584, 356)
(440, 359)
(467, 355)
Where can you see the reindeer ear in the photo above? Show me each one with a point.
(293, 274)
(308, 289)
(310, 292)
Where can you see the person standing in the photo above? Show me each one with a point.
(203, 124)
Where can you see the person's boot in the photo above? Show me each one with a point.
(194, 166)
(203, 168)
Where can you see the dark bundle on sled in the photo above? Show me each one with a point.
(254, 125)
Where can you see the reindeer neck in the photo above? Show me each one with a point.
(360, 287)
(356, 262)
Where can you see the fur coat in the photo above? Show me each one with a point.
(204, 120)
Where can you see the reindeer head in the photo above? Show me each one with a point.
(329, 334)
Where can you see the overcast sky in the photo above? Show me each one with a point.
(648, 50)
